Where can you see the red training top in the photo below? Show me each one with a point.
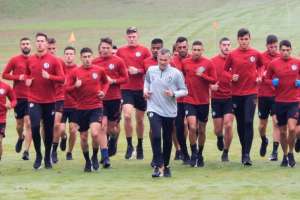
(6, 92)
(70, 96)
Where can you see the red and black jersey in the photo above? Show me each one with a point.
(246, 64)
(93, 80)
(115, 68)
(14, 68)
(134, 56)
(70, 96)
(223, 79)
(6, 92)
(42, 90)
(266, 89)
(59, 87)
(287, 71)
(148, 62)
(198, 86)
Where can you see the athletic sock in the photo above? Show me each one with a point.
(129, 141)
(140, 142)
(264, 139)
(86, 156)
(200, 147)
(275, 147)
(225, 150)
(104, 153)
(95, 152)
(54, 147)
(194, 148)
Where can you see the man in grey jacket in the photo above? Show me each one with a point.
(163, 84)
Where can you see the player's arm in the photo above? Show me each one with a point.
(59, 73)
(71, 82)
(7, 72)
(104, 81)
(269, 74)
(12, 98)
(210, 75)
(123, 74)
(181, 90)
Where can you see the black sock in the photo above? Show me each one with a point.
(129, 141)
(220, 137)
(200, 149)
(54, 147)
(86, 156)
(140, 142)
(194, 148)
(275, 147)
(225, 150)
(264, 139)
(95, 152)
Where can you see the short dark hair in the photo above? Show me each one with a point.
(42, 35)
(51, 41)
(106, 40)
(197, 43)
(286, 43)
(24, 38)
(271, 39)
(181, 39)
(86, 50)
(69, 48)
(114, 47)
(131, 29)
(157, 41)
(242, 32)
(223, 39)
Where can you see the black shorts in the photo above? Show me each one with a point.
(69, 114)
(59, 106)
(200, 111)
(112, 109)
(21, 109)
(86, 117)
(266, 107)
(135, 98)
(2, 129)
(285, 111)
(221, 107)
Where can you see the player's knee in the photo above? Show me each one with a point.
(192, 128)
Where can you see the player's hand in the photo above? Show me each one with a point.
(28, 82)
(169, 93)
(45, 74)
(235, 77)
(214, 87)
(21, 77)
(147, 94)
(110, 80)
(78, 83)
(101, 94)
(133, 70)
(8, 105)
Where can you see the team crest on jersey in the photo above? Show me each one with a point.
(46, 65)
(138, 54)
(150, 114)
(252, 59)
(201, 69)
(111, 66)
(294, 67)
(31, 105)
(213, 113)
(186, 112)
(169, 78)
(2, 91)
(94, 75)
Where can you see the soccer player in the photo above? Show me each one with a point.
(156, 45)
(15, 71)
(244, 63)
(5, 92)
(284, 73)
(70, 102)
(266, 101)
(221, 100)
(163, 84)
(199, 74)
(180, 121)
(133, 55)
(59, 105)
(42, 73)
(116, 72)
(90, 84)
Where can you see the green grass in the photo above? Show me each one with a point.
(92, 19)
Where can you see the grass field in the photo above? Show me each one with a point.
(92, 19)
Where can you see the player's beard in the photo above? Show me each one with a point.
(26, 51)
